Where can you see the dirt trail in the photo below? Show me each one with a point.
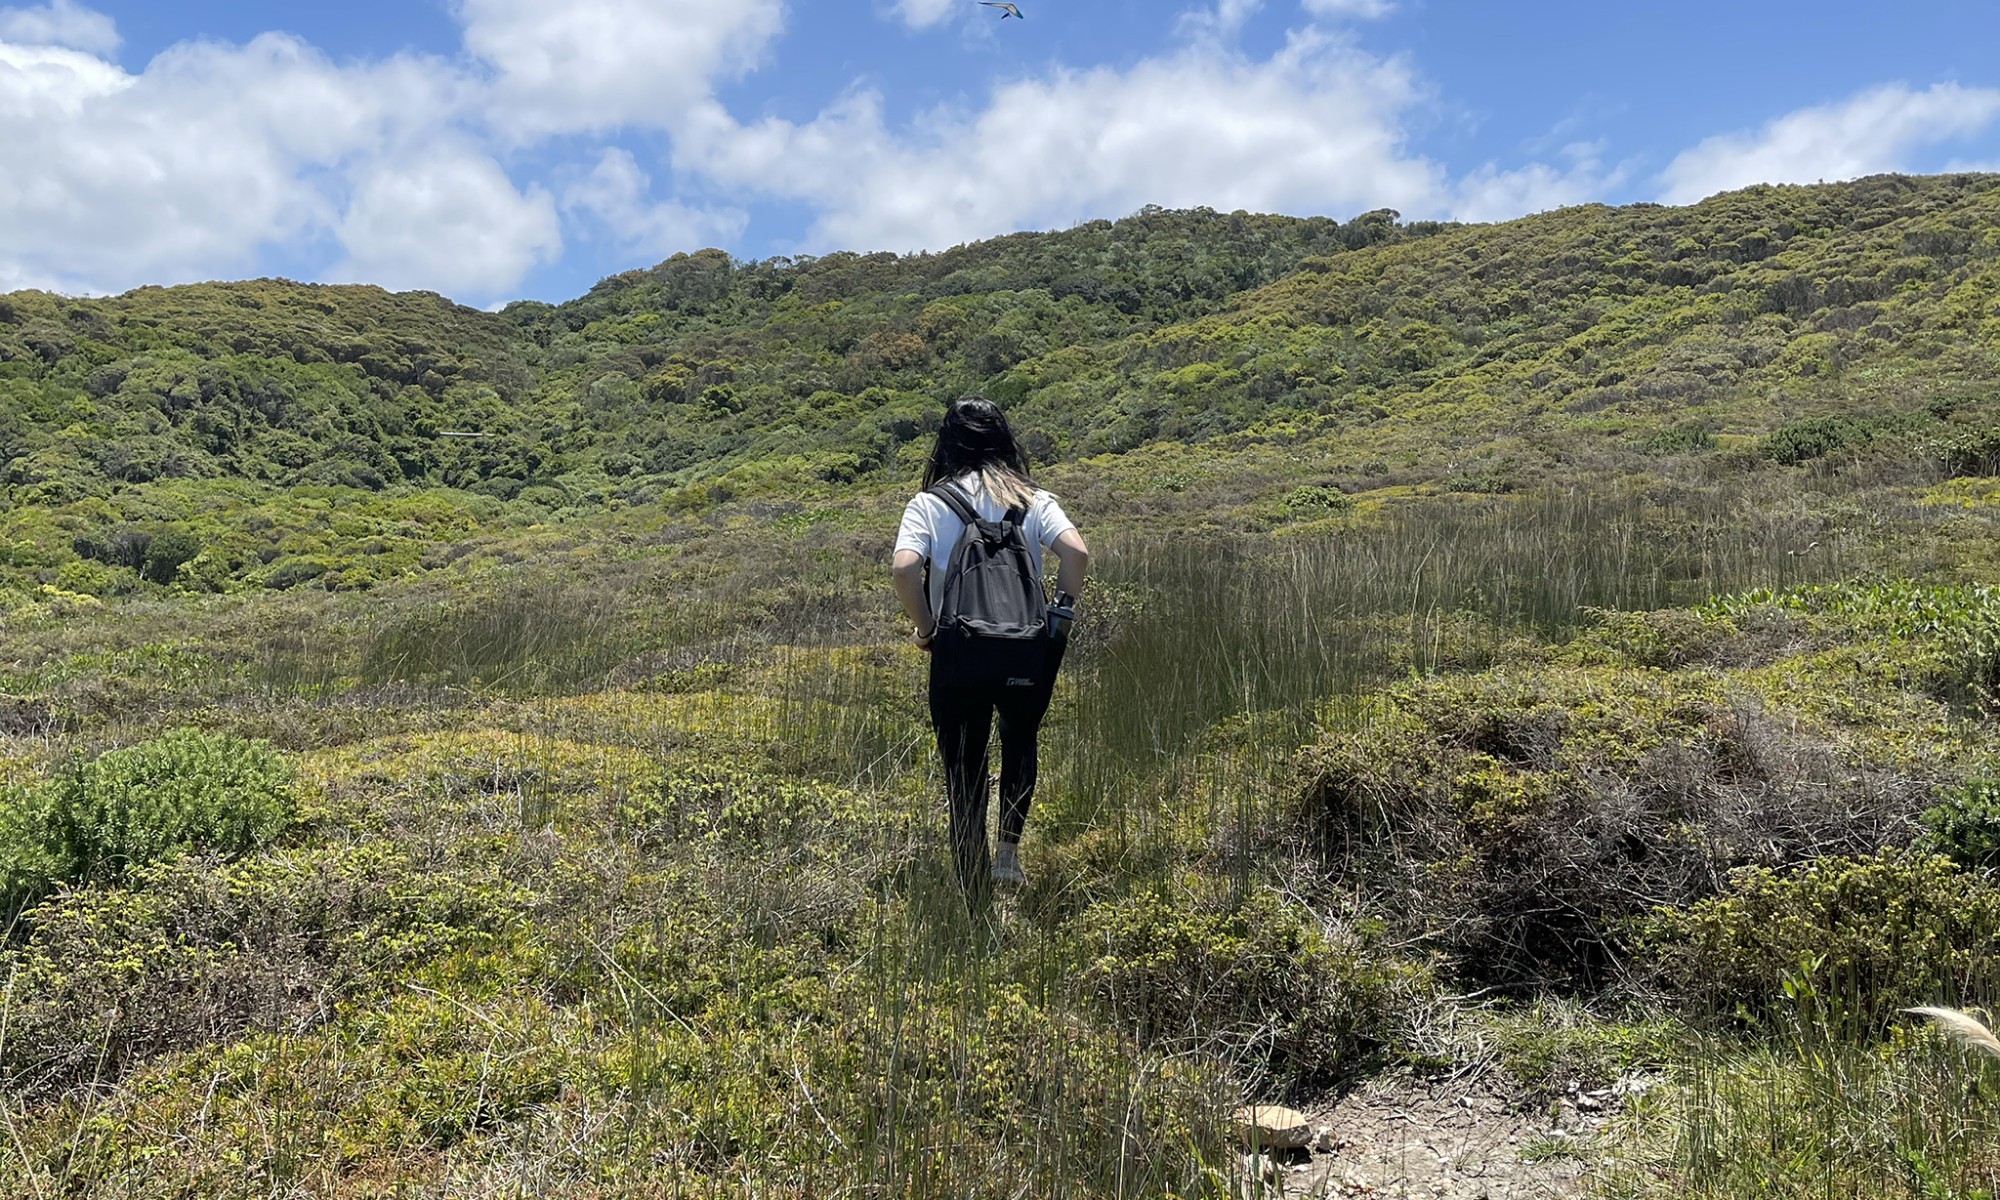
(1454, 1140)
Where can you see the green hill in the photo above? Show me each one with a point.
(1388, 358)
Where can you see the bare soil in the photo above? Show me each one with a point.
(1452, 1139)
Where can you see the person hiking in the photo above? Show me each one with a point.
(977, 531)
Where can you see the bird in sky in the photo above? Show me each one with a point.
(1006, 10)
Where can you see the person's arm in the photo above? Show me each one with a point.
(1072, 562)
(907, 573)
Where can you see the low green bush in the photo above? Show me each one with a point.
(1811, 438)
(1964, 825)
(1252, 980)
(1492, 482)
(1957, 624)
(1969, 450)
(1679, 439)
(185, 791)
(1973, 644)
(293, 572)
(1551, 1046)
(196, 950)
(1864, 936)
(1315, 499)
(27, 869)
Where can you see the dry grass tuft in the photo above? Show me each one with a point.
(1963, 1028)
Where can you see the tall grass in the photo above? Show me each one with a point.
(1204, 633)
(1815, 1112)
(877, 1038)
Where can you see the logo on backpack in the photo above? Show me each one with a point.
(993, 626)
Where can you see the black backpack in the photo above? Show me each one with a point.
(992, 630)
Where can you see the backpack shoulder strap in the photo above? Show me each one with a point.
(957, 502)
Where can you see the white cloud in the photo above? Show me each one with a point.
(45, 83)
(216, 159)
(615, 194)
(191, 168)
(585, 65)
(1225, 20)
(922, 14)
(14, 279)
(1315, 128)
(1492, 194)
(215, 155)
(1873, 131)
(1360, 10)
(60, 23)
(445, 218)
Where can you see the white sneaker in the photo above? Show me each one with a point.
(1007, 865)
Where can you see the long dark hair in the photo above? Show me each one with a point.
(976, 439)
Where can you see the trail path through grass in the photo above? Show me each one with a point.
(1457, 1139)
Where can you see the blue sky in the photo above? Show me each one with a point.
(494, 149)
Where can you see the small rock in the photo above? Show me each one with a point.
(1273, 1127)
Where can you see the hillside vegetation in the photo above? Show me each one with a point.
(1386, 359)
(448, 753)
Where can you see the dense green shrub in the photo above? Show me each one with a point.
(1869, 935)
(1318, 498)
(167, 551)
(1253, 980)
(293, 572)
(1964, 825)
(1815, 437)
(156, 554)
(1969, 450)
(187, 790)
(1974, 645)
(1493, 482)
(122, 547)
(27, 868)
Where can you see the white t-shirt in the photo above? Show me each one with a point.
(930, 529)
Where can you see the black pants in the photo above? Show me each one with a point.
(963, 718)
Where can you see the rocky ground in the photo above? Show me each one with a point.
(1453, 1139)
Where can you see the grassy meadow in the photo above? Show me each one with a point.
(445, 837)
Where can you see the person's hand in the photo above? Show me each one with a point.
(924, 639)
(1062, 614)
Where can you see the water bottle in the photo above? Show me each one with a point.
(1062, 611)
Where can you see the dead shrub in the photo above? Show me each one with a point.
(1517, 822)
